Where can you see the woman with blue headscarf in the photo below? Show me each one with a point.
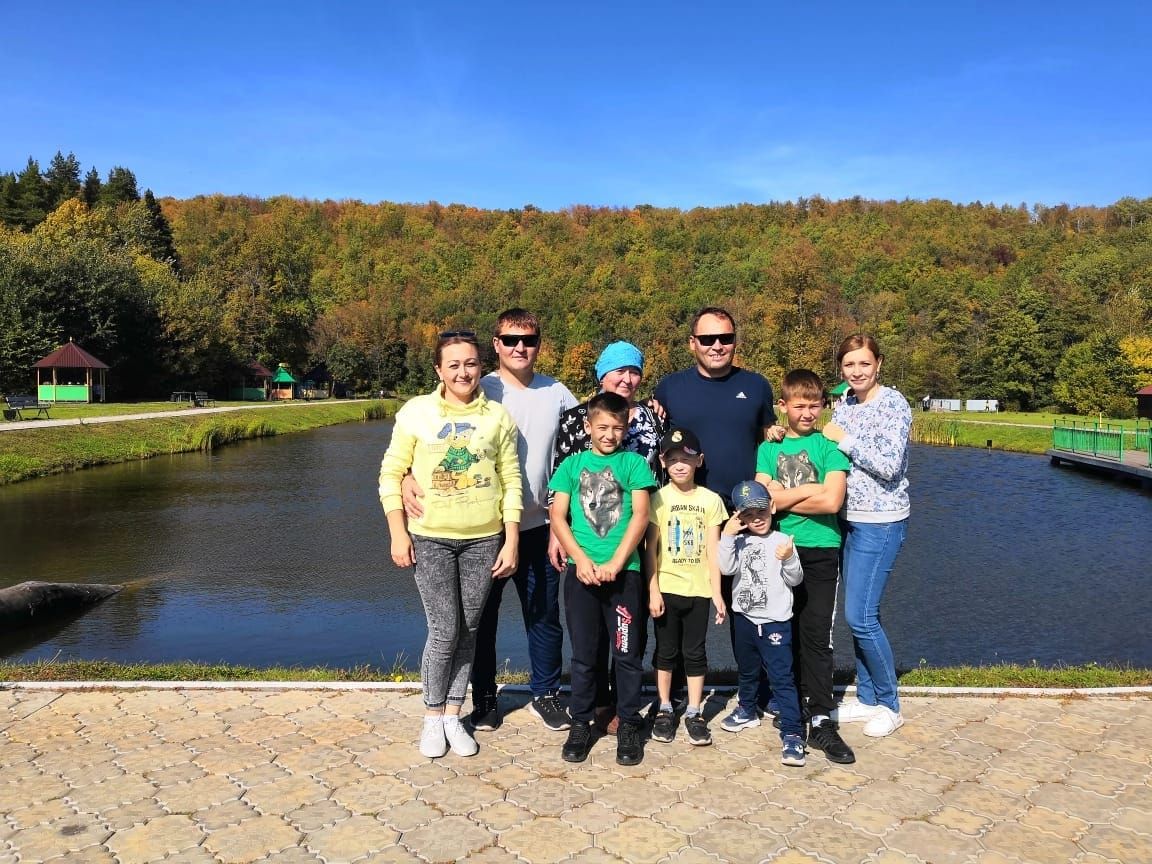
(620, 370)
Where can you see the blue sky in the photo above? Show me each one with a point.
(503, 104)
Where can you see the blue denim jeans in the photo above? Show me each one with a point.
(870, 550)
(538, 584)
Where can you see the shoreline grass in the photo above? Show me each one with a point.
(1088, 675)
(29, 453)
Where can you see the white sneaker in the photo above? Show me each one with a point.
(854, 711)
(433, 744)
(883, 723)
(459, 740)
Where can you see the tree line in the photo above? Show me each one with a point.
(1041, 306)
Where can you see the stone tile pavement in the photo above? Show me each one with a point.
(291, 776)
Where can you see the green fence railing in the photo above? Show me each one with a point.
(1105, 440)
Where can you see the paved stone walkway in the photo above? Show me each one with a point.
(322, 775)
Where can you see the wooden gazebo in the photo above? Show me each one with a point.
(283, 384)
(70, 374)
(253, 384)
(1144, 402)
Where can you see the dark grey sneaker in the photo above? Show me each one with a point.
(485, 716)
(551, 713)
(629, 744)
(697, 729)
(664, 727)
(826, 737)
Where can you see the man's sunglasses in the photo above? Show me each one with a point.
(710, 339)
(458, 334)
(530, 340)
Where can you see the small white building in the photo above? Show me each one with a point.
(990, 406)
(945, 405)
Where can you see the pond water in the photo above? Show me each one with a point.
(276, 552)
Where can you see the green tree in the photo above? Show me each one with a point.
(93, 187)
(62, 179)
(31, 197)
(1096, 377)
(120, 188)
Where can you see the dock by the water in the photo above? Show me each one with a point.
(1132, 466)
(1123, 454)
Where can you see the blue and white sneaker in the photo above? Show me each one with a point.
(740, 718)
(792, 750)
(772, 709)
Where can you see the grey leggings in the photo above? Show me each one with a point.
(454, 577)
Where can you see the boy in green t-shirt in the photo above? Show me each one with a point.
(807, 476)
(683, 574)
(603, 493)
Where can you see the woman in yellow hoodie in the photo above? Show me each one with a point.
(461, 448)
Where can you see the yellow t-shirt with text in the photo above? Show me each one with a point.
(683, 520)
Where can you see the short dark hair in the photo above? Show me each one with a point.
(801, 384)
(517, 317)
(717, 312)
(610, 403)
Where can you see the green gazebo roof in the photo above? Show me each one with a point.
(839, 390)
(283, 376)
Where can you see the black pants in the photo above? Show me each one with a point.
(617, 607)
(813, 610)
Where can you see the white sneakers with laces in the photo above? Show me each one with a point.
(883, 723)
(433, 744)
(854, 711)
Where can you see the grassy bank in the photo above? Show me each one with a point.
(1001, 675)
(27, 453)
(1016, 432)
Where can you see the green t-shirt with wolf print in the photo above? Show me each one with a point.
(804, 459)
(600, 488)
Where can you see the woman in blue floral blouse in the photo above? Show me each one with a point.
(871, 425)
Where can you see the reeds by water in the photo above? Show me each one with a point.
(935, 429)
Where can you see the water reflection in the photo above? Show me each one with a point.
(276, 551)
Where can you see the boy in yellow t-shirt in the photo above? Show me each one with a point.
(680, 551)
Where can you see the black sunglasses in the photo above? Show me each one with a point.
(461, 334)
(710, 339)
(530, 340)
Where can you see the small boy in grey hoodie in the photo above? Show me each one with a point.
(766, 566)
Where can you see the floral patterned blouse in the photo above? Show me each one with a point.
(643, 437)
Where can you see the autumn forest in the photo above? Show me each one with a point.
(1036, 305)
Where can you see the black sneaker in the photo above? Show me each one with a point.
(697, 729)
(579, 742)
(826, 737)
(629, 744)
(485, 716)
(664, 727)
(551, 713)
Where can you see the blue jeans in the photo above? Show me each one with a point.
(538, 584)
(767, 648)
(870, 550)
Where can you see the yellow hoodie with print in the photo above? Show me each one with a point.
(463, 457)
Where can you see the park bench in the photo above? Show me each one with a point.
(17, 405)
(202, 400)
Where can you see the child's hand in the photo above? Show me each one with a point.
(734, 525)
(721, 608)
(402, 553)
(784, 550)
(586, 571)
(655, 604)
(607, 572)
